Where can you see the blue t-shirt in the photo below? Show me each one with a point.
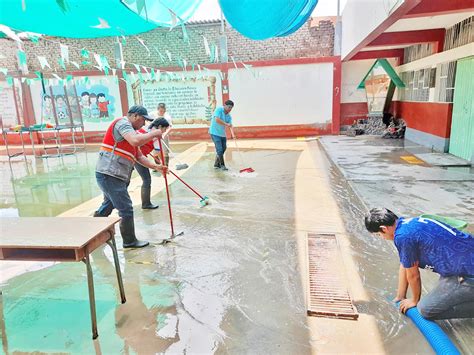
(435, 245)
(216, 128)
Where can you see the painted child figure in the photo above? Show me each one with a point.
(93, 106)
(85, 105)
(103, 109)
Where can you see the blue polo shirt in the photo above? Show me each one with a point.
(435, 245)
(216, 128)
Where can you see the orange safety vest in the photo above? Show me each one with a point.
(123, 148)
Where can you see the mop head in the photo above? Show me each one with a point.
(182, 166)
(204, 202)
(246, 170)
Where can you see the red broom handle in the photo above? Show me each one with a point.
(177, 177)
(166, 185)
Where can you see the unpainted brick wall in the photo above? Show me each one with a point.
(308, 41)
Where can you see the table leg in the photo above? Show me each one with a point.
(90, 284)
(111, 243)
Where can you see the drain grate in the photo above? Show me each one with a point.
(328, 295)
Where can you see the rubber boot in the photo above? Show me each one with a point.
(127, 230)
(217, 163)
(223, 167)
(146, 203)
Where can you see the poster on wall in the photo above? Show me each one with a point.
(190, 98)
(7, 106)
(376, 88)
(95, 100)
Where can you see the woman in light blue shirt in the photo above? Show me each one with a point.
(220, 120)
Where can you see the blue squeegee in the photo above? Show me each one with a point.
(433, 333)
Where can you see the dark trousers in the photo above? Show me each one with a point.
(220, 143)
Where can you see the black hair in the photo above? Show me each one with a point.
(379, 217)
(85, 93)
(162, 104)
(229, 103)
(159, 122)
(46, 97)
(101, 94)
(59, 97)
(92, 95)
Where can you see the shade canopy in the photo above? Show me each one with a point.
(263, 19)
(92, 18)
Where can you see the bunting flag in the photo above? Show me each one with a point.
(142, 42)
(145, 69)
(61, 63)
(39, 75)
(185, 34)
(57, 77)
(33, 38)
(152, 74)
(162, 57)
(28, 81)
(22, 58)
(86, 80)
(104, 64)
(137, 67)
(9, 80)
(114, 71)
(168, 53)
(98, 60)
(64, 53)
(4, 71)
(185, 64)
(69, 77)
(206, 46)
(233, 61)
(124, 40)
(85, 62)
(75, 64)
(85, 53)
(140, 76)
(124, 74)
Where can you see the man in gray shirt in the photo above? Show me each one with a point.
(118, 154)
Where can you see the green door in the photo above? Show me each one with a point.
(461, 142)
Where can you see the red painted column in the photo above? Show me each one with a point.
(336, 98)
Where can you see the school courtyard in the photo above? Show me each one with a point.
(338, 107)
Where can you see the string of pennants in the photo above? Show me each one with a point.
(91, 59)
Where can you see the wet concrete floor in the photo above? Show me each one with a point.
(369, 172)
(230, 284)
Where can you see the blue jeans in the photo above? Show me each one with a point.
(220, 143)
(451, 298)
(144, 174)
(115, 196)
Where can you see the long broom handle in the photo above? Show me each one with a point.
(235, 142)
(177, 177)
(167, 188)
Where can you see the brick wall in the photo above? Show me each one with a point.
(314, 39)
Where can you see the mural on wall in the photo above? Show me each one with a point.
(95, 101)
(190, 98)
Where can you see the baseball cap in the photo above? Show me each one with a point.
(140, 110)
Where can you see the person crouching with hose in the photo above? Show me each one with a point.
(118, 154)
(151, 148)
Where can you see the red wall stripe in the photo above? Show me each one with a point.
(351, 111)
(430, 117)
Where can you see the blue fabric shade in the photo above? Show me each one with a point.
(263, 19)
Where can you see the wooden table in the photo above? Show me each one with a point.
(60, 239)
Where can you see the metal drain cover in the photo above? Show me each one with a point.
(328, 294)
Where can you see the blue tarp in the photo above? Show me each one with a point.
(263, 19)
(78, 18)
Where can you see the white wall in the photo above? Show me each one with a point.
(352, 74)
(361, 17)
(282, 95)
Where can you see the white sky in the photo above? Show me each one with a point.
(210, 10)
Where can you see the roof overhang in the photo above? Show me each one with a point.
(413, 22)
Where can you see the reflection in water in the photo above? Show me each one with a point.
(230, 284)
(48, 187)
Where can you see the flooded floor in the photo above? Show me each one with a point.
(370, 173)
(229, 284)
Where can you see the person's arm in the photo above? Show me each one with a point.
(402, 284)
(221, 122)
(142, 160)
(138, 139)
(414, 280)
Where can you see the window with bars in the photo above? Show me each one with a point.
(417, 84)
(447, 75)
(417, 51)
(460, 34)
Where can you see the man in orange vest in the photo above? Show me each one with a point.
(118, 154)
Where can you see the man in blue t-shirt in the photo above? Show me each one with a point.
(220, 120)
(432, 245)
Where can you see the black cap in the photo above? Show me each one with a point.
(140, 110)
